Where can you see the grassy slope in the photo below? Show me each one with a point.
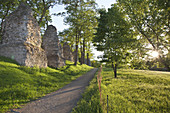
(20, 84)
(136, 91)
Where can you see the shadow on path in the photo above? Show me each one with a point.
(61, 101)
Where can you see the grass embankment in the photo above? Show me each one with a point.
(134, 91)
(20, 84)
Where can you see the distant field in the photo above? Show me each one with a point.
(136, 91)
(20, 84)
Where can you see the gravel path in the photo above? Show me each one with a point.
(61, 101)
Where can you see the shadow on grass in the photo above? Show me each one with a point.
(5, 59)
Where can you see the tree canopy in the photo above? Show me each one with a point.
(150, 18)
(114, 36)
(40, 8)
(81, 19)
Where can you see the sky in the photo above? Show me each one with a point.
(57, 21)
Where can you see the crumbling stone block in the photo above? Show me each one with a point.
(67, 52)
(52, 48)
(21, 39)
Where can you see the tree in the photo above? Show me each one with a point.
(81, 18)
(6, 7)
(40, 8)
(150, 18)
(114, 37)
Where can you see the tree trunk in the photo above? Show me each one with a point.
(81, 59)
(44, 11)
(88, 63)
(115, 69)
(76, 54)
(83, 56)
(42, 16)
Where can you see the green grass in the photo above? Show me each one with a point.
(90, 102)
(136, 91)
(20, 84)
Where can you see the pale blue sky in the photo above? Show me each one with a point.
(57, 21)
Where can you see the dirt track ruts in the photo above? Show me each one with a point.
(61, 101)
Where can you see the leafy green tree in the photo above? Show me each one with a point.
(81, 18)
(114, 37)
(40, 8)
(150, 18)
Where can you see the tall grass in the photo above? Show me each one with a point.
(20, 84)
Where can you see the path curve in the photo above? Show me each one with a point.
(61, 101)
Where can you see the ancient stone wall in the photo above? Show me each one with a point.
(21, 39)
(52, 47)
(67, 52)
(61, 61)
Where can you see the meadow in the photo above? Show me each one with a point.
(21, 84)
(136, 91)
(133, 91)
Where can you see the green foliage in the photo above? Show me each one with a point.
(81, 18)
(114, 35)
(138, 64)
(150, 18)
(90, 102)
(136, 91)
(40, 8)
(20, 84)
(95, 63)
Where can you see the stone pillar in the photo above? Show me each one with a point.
(74, 56)
(52, 48)
(21, 39)
(67, 52)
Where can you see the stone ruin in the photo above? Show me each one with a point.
(68, 55)
(21, 39)
(53, 49)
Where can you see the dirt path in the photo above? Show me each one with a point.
(61, 101)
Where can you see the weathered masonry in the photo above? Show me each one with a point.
(68, 55)
(21, 39)
(52, 48)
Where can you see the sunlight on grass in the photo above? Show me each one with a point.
(136, 91)
(90, 102)
(20, 84)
